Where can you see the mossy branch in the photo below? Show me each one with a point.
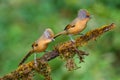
(65, 50)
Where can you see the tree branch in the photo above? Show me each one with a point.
(65, 50)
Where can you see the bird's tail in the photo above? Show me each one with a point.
(61, 33)
(25, 58)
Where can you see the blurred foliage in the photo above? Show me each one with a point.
(23, 21)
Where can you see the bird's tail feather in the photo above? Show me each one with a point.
(25, 58)
(61, 33)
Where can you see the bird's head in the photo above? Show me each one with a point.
(44, 40)
(83, 14)
(48, 35)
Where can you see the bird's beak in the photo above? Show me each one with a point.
(90, 17)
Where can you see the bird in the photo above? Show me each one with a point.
(40, 45)
(77, 25)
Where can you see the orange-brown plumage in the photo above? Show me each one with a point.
(77, 25)
(41, 44)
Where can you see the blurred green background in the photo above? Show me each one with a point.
(23, 21)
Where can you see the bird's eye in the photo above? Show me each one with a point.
(87, 15)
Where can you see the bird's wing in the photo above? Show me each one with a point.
(34, 44)
(72, 24)
(69, 26)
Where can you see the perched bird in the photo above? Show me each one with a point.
(77, 25)
(40, 45)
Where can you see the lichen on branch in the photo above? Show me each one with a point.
(66, 51)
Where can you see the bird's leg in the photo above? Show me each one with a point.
(35, 59)
(70, 36)
(46, 51)
(80, 34)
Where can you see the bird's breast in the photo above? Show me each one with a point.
(41, 47)
(76, 29)
(79, 26)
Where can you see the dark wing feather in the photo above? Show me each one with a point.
(69, 26)
(34, 44)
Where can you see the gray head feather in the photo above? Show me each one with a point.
(82, 14)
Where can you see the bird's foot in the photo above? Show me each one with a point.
(72, 40)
